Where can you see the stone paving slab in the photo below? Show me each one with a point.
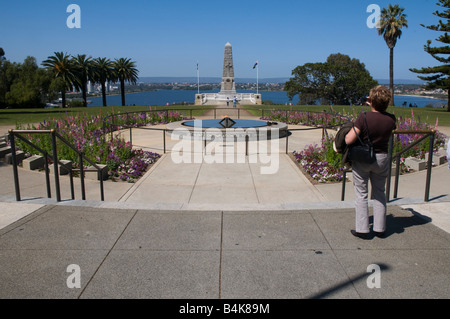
(219, 254)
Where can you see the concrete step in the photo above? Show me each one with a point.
(439, 158)
(62, 170)
(33, 162)
(20, 156)
(4, 151)
(97, 175)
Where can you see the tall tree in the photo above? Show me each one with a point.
(438, 77)
(62, 67)
(392, 20)
(103, 72)
(83, 73)
(349, 80)
(309, 82)
(30, 87)
(126, 71)
(340, 80)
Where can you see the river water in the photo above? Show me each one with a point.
(168, 97)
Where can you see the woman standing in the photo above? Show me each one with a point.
(380, 125)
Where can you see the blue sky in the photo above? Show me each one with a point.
(167, 38)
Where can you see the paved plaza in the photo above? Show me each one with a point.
(220, 230)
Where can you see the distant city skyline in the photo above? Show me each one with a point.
(169, 38)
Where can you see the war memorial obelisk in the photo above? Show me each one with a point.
(227, 87)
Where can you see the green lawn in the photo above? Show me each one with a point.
(25, 116)
(427, 115)
(37, 115)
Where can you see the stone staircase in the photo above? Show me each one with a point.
(37, 162)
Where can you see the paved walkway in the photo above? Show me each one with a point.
(221, 230)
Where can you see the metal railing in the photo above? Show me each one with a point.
(397, 156)
(323, 127)
(13, 134)
(426, 134)
(110, 123)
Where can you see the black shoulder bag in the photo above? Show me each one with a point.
(362, 152)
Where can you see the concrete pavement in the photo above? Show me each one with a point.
(220, 230)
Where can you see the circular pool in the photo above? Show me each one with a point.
(210, 129)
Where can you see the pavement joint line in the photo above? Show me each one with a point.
(253, 182)
(195, 182)
(220, 256)
(335, 256)
(131, 191)
(106, 256)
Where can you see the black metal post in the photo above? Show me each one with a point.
(388, 179)
(246, 145)
(164, 140)
(131, 136)
(429, 165)
(287, 141)
(83, 191)
(72, 191)
(397, 175)
(344, 180)
(14, 162)
(47, 175)
(102, 193)
(55, 166)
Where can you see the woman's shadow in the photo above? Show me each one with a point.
(398, 224)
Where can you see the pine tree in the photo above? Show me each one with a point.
(438, 76)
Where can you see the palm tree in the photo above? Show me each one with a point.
(125, 70)
(392, 20)
(62, 67)
(84, 73)
(103, 71)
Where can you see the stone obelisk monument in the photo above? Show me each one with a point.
(228, 85)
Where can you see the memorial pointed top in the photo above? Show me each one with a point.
(228, 44)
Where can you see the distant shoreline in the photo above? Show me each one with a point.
(424, 96)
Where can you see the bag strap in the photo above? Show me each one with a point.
(367, 129)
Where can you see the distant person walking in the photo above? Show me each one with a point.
(380, 125)
(234, 102)
(228, 101)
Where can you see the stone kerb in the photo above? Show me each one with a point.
(33, 162)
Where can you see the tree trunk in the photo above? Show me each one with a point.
(84, 95)
(63, 95)
(391, 75)
(104, 93)
(122, 90)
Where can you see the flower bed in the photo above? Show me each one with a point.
(306, 118)
(323, 164)
(85, 133)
